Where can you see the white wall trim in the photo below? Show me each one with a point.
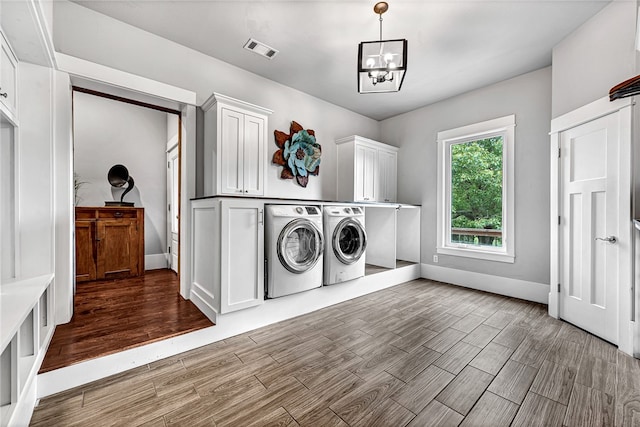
(502, 126)
(530, 291)
(204, 300)
(187, 192)
(100, 73)
(594, 110)
(227, 325)
(155, 261)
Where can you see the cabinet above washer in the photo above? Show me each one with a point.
(235, 152)
(8, 79)
(367, 170)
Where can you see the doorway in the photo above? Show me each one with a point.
(140, 136)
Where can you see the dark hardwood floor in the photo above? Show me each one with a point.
(115, 315)
(417, 354)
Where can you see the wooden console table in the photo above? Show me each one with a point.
(109, 242)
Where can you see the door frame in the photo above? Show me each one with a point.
(119, 83)
(599, 108)
(173, 209)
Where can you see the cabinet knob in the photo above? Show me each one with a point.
(246, 191)
(4, 94)
(118, 214)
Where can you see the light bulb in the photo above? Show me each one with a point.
(388, 57)
(392, 65)
(371, 62)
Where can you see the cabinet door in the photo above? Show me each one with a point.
(117, 248)
(387, 176)
(365, 173)
(254, 159)
(242, 254)
(231, 155)
(85, 251)
(8, 76)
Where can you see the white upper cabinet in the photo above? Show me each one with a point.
(365, 173)
(8, 79)
(387, 175)
(367, 170)
(235, 154)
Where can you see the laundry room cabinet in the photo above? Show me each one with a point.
(387, 173)
(235, 151)
(227, 259)
(8, 79)
(367, 170)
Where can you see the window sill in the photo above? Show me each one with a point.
(477, 254)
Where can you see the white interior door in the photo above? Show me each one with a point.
(173, 172)
(590, 230)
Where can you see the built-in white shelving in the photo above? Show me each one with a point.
(393, 233)
(26, 327)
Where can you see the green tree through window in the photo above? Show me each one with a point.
(476, 191)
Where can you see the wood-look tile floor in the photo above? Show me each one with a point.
(418, 354)
(115, 315)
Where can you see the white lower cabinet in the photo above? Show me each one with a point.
(227, 254)
(242, 254)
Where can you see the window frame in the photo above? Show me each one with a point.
(505, 127)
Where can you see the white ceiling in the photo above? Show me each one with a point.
(454, 45)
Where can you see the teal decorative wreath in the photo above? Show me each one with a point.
(298, 153)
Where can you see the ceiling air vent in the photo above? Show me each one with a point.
(260, 48)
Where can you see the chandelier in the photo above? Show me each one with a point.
(381, 64)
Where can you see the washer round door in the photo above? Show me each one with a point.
(349, 241)
(300, 245)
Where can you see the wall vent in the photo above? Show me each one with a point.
(260, 48)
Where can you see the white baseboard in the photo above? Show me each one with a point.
(204, 300)
(227, 325)
(530, 291)
(156, 261)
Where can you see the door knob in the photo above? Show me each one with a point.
(609, 239)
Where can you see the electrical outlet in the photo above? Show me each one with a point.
(435, 258)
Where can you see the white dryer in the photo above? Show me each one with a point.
(345, 243)
(294, 248)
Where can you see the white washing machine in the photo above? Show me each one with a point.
(294, 247)
(345, 243)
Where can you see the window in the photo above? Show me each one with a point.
(475, 190)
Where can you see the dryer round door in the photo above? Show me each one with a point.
(349, 241)
(300, 245)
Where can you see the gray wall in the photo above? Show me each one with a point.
(529, 98)
(108, 132)
(594, 58)
(89, 35)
